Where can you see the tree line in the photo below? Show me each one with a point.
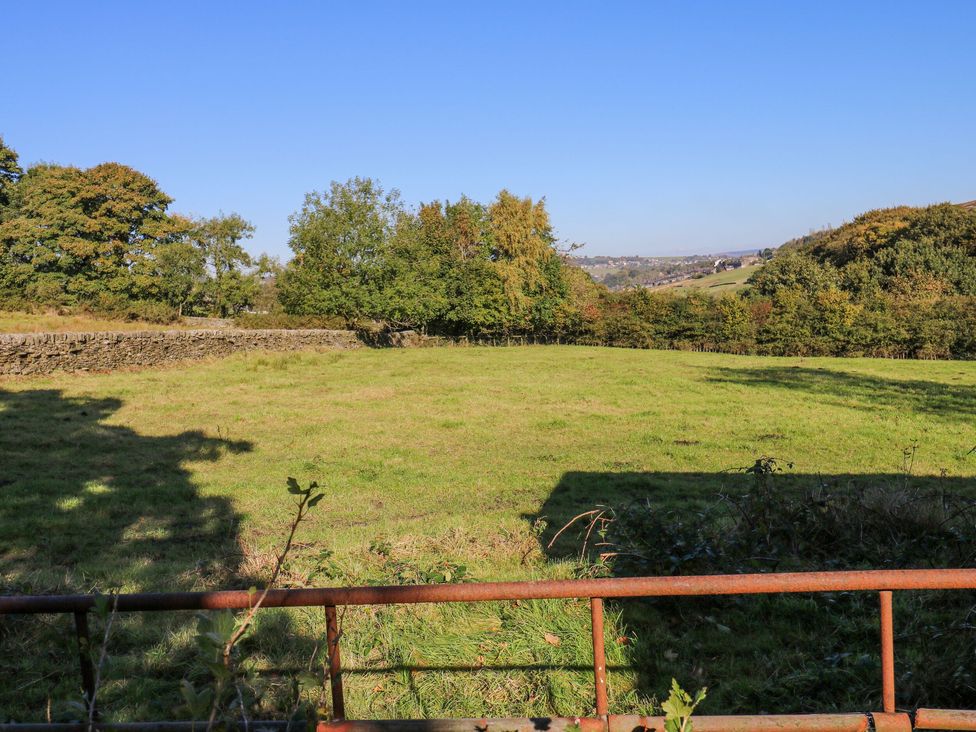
(103, 238)
(897, 282)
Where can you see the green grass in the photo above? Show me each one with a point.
(730, 281)
(174, 479)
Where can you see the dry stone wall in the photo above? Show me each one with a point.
(44, 353)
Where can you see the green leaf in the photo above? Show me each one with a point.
(188, 692)
(679, 707)
(218, 670)
(316, 499)
(293, 487)
(223, 624)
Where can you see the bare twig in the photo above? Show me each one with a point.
(240, 701)
(570, 523)
(589, 531)
(305, 504)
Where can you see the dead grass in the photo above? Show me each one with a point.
(52, 322)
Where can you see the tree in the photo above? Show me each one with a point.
(792, 270)
(522, 247)
(79, 234)
(10, 173)
(229, 289)
(340, 239)
(267, 270)
(412, 274)
(735, 328)
(180, 269)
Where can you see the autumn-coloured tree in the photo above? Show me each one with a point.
(10, 173)
(103, 238)
(78, 234)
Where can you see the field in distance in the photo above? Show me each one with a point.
(728, 281)
(436, 463)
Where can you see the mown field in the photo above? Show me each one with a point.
(434, 461)
(731, 281)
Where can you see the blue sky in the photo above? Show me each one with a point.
(650, 127)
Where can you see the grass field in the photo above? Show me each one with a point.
(18, 322)
(174, 479)
(717, 283)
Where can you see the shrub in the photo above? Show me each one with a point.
(118, 307)
(830, 661)
(284, 321)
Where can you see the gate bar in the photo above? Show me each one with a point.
(599, 657)
(887, 653)
(84, 657)
(680, 586)
(335, 665)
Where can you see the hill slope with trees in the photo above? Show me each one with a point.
(898, 282)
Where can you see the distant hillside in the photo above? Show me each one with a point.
(624, 272)
(827, 232)
(731, 280)
(908, 252)
(896, 247)
(800, 242)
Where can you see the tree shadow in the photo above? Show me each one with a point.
(949, 402)
(799, 653)
(86, 505)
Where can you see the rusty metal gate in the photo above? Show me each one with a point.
(884, 582)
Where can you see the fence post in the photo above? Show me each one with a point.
(84, 656)
(599, 657)
(887, 654)
(335, 667)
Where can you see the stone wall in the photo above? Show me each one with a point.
(44, 353)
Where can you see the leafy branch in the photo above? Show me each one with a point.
(219, 634)
(679, 707)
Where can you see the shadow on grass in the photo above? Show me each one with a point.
(90, 506)
(949, 402)
(775, 653)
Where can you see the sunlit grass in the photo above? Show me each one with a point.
(174, 479)
(726, 281)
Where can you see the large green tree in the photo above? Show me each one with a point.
(181, 268)
(230, 288)
(102, 237)
(340, 238)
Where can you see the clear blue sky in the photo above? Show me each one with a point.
(669, 127)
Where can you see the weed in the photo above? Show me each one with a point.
(827, 525)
